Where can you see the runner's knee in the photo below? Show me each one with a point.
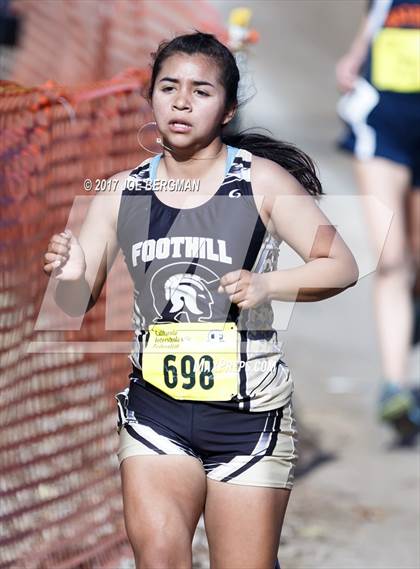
(393, 268)
(162, 546)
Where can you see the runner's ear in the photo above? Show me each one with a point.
(229, 116)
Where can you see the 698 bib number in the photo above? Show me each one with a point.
(196, 361)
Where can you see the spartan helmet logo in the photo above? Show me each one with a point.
(183, 296)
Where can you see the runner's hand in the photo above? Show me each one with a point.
(347, 71)
(65, 258)
(246, 289)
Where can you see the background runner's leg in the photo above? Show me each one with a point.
(413, 231)
(389, 182)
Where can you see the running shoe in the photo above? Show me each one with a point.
(414, 411)
(395, 402)
(400, 408)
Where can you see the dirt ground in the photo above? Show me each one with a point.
(360, 507)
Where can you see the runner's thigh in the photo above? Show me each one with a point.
(413, 223)
(389, 183)
(243, 524)
(163, 498)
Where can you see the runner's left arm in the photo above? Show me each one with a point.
(295, 217)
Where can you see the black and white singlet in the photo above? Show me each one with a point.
(176, 258)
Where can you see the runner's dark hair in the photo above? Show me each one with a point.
(294, 160)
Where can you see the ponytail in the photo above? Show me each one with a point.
(287, 155)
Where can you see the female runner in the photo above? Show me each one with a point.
(206, 424)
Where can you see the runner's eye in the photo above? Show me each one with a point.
(199, 91)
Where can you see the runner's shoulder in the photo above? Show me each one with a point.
(269, 178)
(107, 199)
(117, 181)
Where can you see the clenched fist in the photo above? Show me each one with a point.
(65, 258)
(244, 288)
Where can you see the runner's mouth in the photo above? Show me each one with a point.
(179, 126)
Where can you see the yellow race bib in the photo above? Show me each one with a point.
(396, 60)
(192, 360)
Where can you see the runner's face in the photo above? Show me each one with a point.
(178, 96)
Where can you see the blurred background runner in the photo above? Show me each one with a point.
(380, 75)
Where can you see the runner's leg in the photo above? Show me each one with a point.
(389, 182)
(413, 219)
(243, 524)
(163, 498)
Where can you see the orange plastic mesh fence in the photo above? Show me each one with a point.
(59, 492)
(96, 39)
(60, 496)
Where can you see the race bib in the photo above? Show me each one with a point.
(192, 360)
(396, 60)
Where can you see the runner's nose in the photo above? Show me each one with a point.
(181, 101)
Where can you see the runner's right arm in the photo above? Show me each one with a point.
(80, 265)
(348, 67)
